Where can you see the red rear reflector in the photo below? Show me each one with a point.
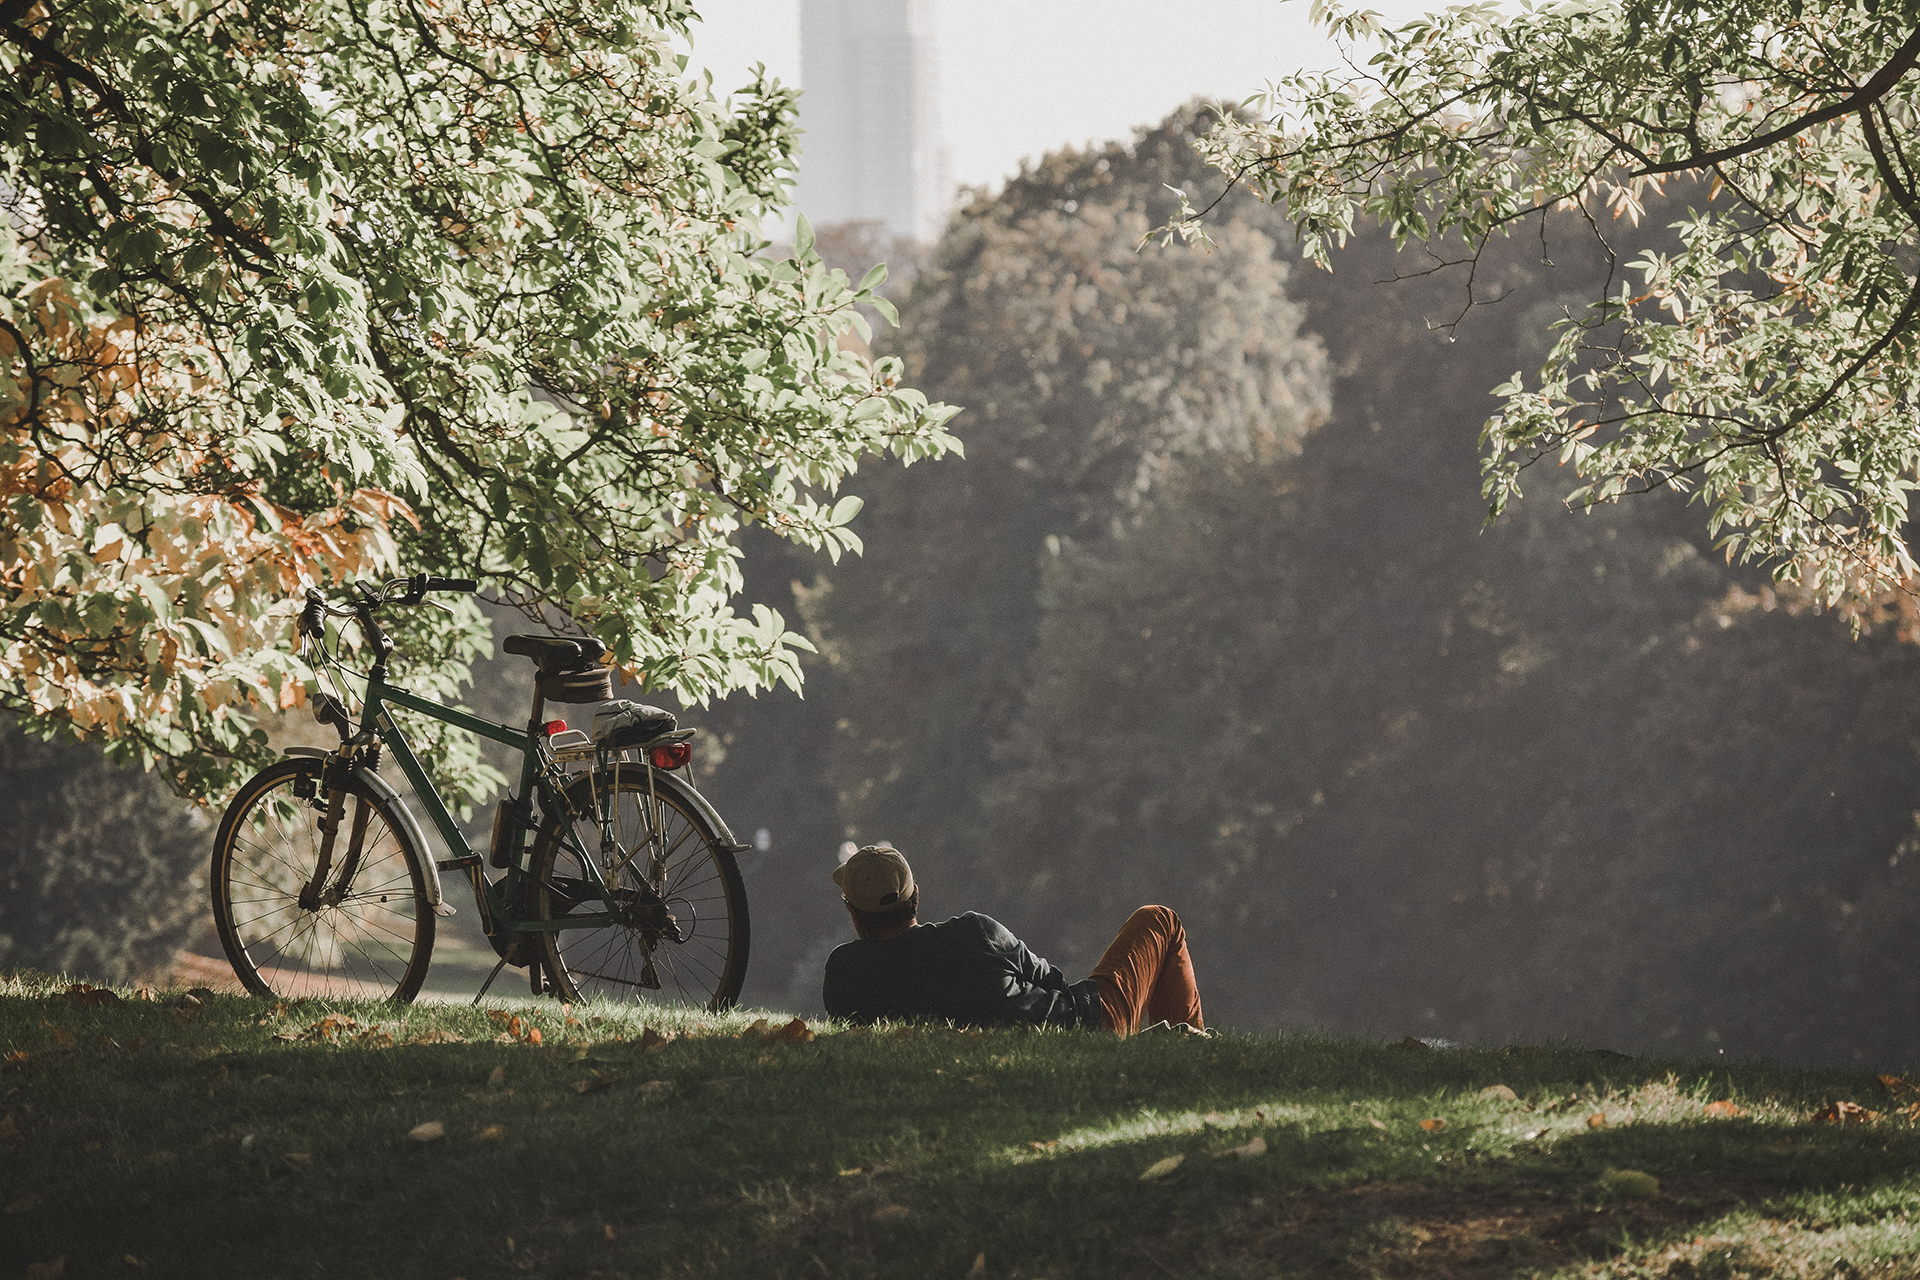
(554, 726)
(671, 755)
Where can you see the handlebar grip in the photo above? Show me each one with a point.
(467, 585)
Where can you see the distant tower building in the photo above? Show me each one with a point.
(870, 108)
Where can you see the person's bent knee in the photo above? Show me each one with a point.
(1162, 918)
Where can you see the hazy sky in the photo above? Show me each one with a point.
(1022, 77)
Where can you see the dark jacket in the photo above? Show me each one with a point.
(969, 970)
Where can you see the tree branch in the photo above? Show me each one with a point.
(1874, 89)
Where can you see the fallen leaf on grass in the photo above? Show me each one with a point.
(490, 1133)
(1598, 1120)
(17, 1058)
(1630, 1184)
(46, 1270)
(498, 1079)
(795, 1032)
(1844, 1113)
(427, 1132)
(652, 1041)
(755, 1030)
(979, 1267)
(1899, 1086)
(300, 1159)
(436, 1036)
(601, 1080)
(7, 1128)
(656, 1088)
(1434, 1125)
(1410, 1043)
(1048, 1145)
(62, 1037)
(1161, 1168)
(890, 1213)
(186, 1008)
(1376, 1124)
(1500, 1092)
(329, 1029)
(1724, 1110)
(1257, 1147)
(82, 993)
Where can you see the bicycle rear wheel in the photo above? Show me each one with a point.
(679, 931)
(366, 933)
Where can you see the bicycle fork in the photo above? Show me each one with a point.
(316, 893)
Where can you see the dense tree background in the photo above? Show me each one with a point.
(103, 870)
(1567, 775)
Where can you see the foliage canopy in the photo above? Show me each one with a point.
(1762, 355)
(297, 292)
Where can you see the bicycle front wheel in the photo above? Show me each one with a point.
(366, 932)
(675, 929)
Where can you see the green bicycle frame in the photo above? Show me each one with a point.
(495, 895)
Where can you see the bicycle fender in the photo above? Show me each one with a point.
(685, 791)
(669, 782)
(384, 791)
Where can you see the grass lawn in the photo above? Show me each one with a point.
(252, 1140)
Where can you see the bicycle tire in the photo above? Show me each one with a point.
(701, 889)
(374, 940)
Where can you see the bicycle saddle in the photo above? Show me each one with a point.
(556, 654)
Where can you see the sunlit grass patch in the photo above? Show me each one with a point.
(529, 1138)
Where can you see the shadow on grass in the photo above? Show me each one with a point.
(215, 1149)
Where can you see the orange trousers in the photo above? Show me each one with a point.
(1145, 976)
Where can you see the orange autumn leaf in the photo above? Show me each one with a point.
(1434, 1125)
(1844, 1113)
(1598, 1120)
(795, 1032)
(1724, 1110)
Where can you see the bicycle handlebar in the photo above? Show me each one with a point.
(421, 583)
(409, 591)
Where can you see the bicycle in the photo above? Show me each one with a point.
(623, 883)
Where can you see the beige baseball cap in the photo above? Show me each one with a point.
(876, 878)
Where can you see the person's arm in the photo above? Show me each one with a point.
(1039, 990)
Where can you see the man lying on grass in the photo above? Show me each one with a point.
(971, 971)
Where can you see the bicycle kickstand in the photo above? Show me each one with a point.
(489, 982)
